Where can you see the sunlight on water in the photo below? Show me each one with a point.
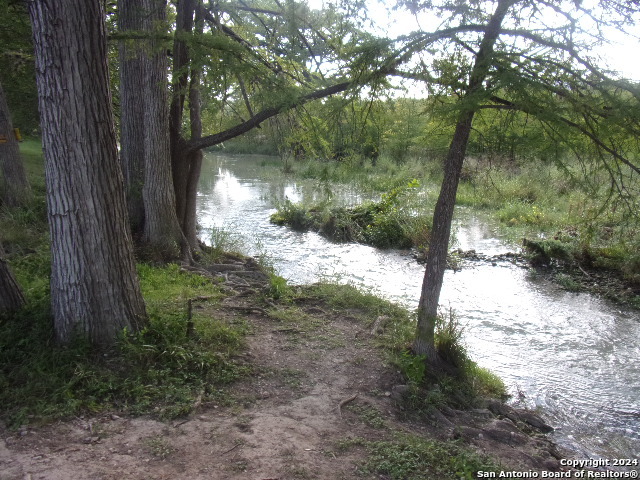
(573, 356)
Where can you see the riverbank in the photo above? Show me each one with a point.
(322, 399)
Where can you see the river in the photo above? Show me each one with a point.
(572, 356)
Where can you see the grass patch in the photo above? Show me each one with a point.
(158, 446)
(414, 457)
(223, 240)
(159, 371)
(24, 229)
(399, 323)
(368, 414)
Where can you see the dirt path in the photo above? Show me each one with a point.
(320, 382)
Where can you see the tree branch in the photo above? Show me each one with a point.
(258, 118)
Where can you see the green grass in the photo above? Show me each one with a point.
(369, 415)
(25, 229)
(160, 371)
(413, 457)
(223, 239)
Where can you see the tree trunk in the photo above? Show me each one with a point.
(145, 150)
(132, 95)
(11, 298)
(94, 287)
(194, 159)
(424, 342)
(16, 190)
(162, 232)
(180, 159)
(186, 164)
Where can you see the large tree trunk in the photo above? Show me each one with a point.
(94, 287)
(145, 150)
(16, 190)
(11, 298)
(424, 342)
(162, 232)
(132, 95)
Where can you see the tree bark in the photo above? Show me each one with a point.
(145, 149)
(180, 160)
(95, 292)
(11, 297)
(16, 190)
(162, 232)
(130, 56)
(194, 159)
(424, 342)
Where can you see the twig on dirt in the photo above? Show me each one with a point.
(286, 330)
(272, 305)
(180, 423)
(379, 324)
(198, 401)
(583, 271)
(232, 448)
(345, 401)
(203, 298)
(247, 292)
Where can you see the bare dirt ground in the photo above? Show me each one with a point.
(319, 382)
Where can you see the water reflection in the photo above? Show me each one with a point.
(572, 355)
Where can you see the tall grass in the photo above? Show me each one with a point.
(377, 176)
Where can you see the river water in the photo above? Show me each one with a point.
(572, 356)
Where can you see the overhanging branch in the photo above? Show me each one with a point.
(258, 118)
(217, 138)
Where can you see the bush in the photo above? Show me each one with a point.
(389, 223)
